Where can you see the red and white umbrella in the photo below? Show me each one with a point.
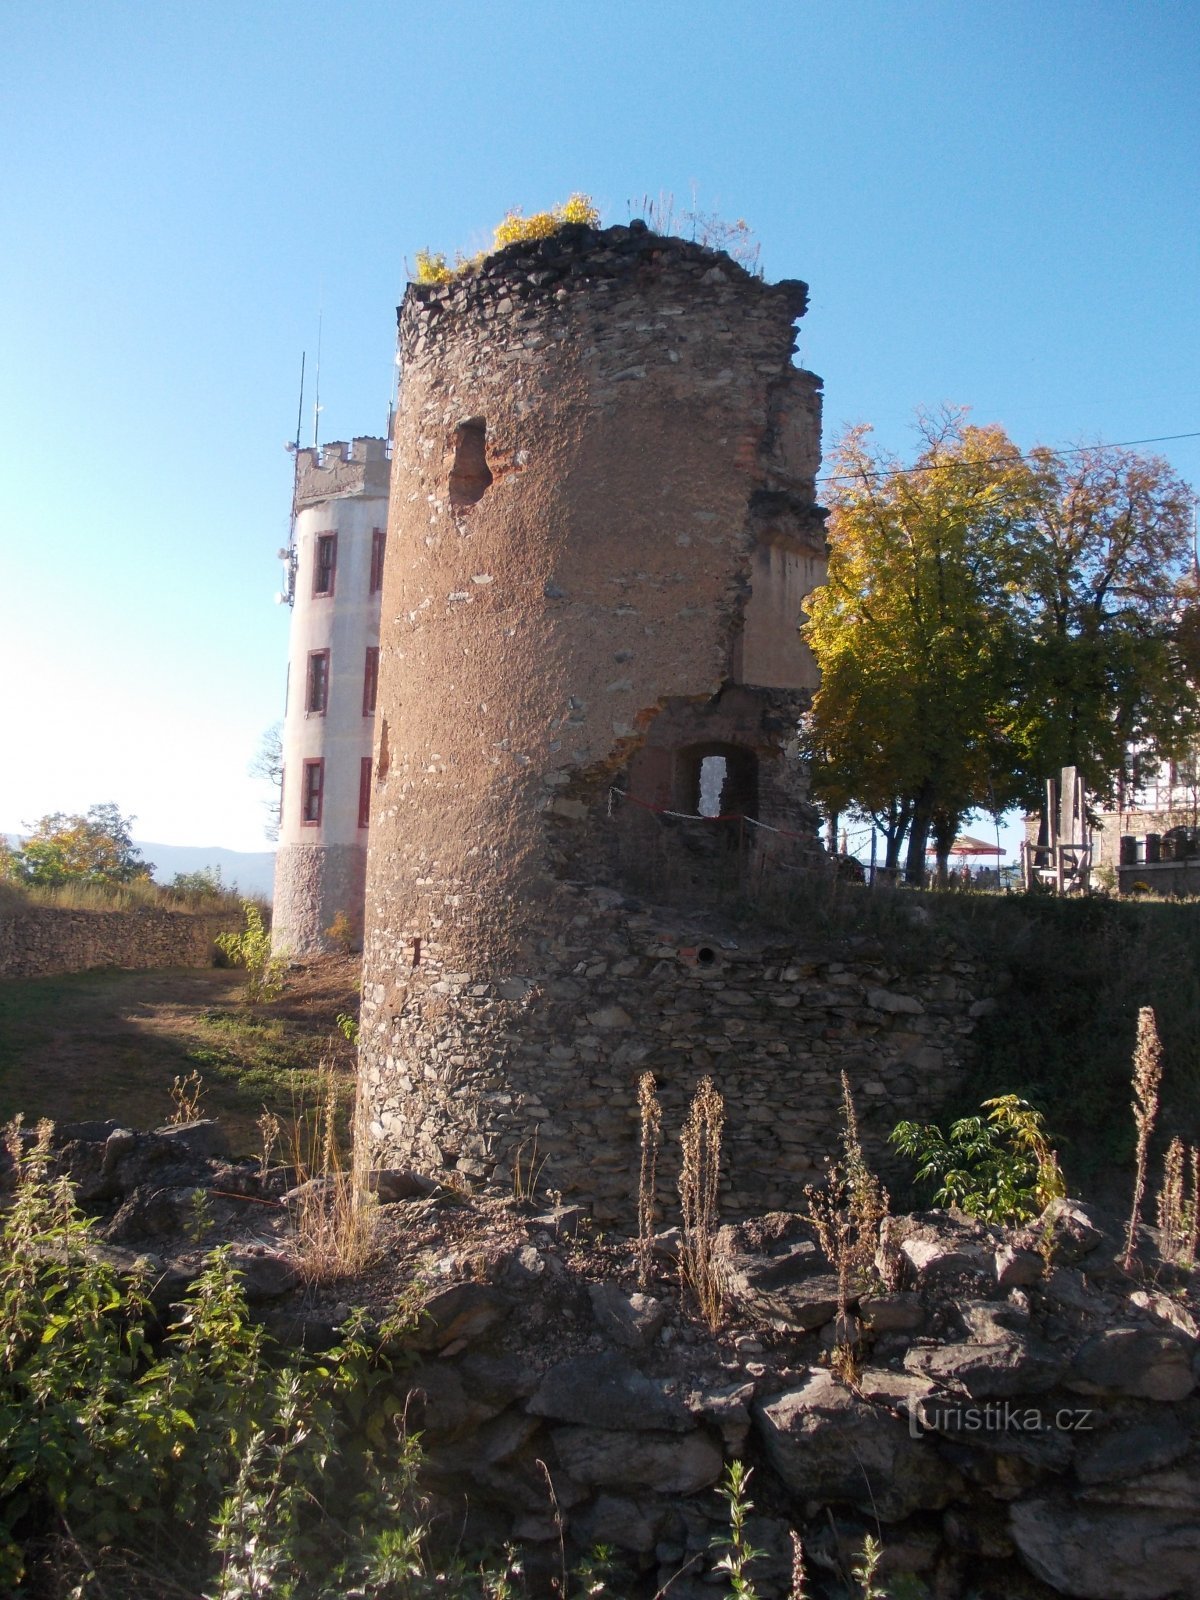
(965, 845)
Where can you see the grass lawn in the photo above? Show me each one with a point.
(110, 1044)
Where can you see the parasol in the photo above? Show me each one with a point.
(965, 845)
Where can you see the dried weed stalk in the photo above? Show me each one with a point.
(335, 1217)
(1177, 1211)
(848, 1213)
(698, 1180)
(650, 1111)
(1147, 1076)
(186, 1093)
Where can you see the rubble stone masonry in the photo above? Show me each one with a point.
(602, 524)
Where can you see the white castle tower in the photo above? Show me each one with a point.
(335, 579)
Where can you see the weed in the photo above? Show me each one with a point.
(739, 1552)
(252, 949)
(1147, 1077)
(650, 1111)
(525, 1178)
(848, 1213)
(347, 1026)
(1000, 1167)
(866, 1570)
(270, 1128)
(1177, 1213)
(341, 932)
(698, 1181)
(797, 1590)
(201, 1464)
(186, 1093)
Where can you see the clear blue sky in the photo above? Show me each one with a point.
(996, 206)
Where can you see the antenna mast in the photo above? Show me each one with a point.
(317, 384)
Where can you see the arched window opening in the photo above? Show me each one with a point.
(470, 475)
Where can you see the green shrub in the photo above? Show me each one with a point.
(252, 949)
(1000, 1168)
(209, 1461)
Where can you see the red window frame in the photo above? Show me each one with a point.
(316, 692)
(325, 546)
(364, 792)
(370, 680)
(312, 794)
(378, 548)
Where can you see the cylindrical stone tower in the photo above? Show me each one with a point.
(602, 526)
(329, 723)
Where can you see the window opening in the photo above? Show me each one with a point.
(470, 476)
(325, 563)
(370, 680)
(378, 547)
(312, 793)
(713, 771)
(364, 792)
(317, 699)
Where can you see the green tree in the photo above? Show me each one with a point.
(914, 632)
(94, 848)
(1107, 617)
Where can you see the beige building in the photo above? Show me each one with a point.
(335, 586)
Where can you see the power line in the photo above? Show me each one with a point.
(996, 461)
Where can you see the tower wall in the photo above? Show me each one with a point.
(320, 866)
(602, 520)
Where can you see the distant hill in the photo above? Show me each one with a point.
(251, 871)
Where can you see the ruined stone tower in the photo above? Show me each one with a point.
(602, 526)
(335, 582)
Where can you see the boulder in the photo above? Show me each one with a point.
(892, 1313)
(1016, 1267)
(1108, 1553)
(1071, 1230)
(632, 1320)
(666, 1463)
(1134, 1361)
(1125, 1452)
(829, 1446)
(1014, 1366)
(607, 1392)
(458, 1314)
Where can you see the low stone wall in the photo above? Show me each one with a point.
(45, 939)
(539, 1073)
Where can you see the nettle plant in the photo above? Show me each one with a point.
(999, 1166)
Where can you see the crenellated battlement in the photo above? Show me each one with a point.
(361, 467)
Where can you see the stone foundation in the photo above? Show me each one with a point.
(497, 1079)
(312, 884)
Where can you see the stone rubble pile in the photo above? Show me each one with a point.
(1024, 1419)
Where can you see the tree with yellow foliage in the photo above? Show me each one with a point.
(913, 635)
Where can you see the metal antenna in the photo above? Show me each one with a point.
(317, 383)
(300, 404)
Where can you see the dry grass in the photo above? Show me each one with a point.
(650, 1110)
(79, 895)
(186, 1093)
(336, 1216)
(698, 1182)
(1147, 1077)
